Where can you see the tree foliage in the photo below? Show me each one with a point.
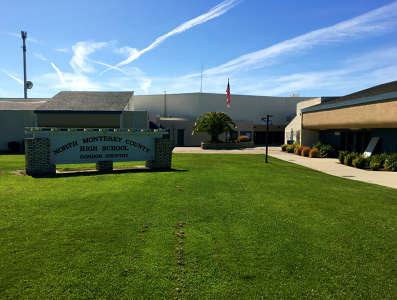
(214, 123)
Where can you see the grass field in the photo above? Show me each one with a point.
(221, 226)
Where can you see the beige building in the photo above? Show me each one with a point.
(351, 121)
(176, 112)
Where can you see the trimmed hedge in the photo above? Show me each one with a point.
(243, 138)
(284, 147)
(314, 153)
(305, 151)
(298, 150)
(290, 148)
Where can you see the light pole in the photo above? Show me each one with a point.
(267, 135)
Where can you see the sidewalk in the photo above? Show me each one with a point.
(327, 165)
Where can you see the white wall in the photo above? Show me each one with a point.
(293, 131)
(243, 108)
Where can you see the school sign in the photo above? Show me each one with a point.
(47, 147)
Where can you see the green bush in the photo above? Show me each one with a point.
(360, 162)
(377, 161)
(296, 146)
(348, 161)
(290, 148)
(284, 147)
(327, 151)
(391, 162)
(341, 156)
(317, 145)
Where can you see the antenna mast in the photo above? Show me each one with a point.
(25, 89)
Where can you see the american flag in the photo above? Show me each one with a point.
(228, 98)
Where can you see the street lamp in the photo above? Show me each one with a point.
(267, 118)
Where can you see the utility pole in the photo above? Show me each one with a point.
(267, 136)
(25, 89)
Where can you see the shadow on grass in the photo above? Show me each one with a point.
(116, 171)
(90, 172)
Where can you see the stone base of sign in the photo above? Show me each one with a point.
(104, 166)
(162, 155)
(37, 156)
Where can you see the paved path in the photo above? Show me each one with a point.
(326, 165)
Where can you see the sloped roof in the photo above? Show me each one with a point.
(384, 88)
(87, 101)
(21, 104)
(383, 92)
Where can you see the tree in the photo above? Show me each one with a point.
(213, 123)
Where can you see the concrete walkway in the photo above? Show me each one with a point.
(327, 165)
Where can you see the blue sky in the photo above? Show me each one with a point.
(275, 48)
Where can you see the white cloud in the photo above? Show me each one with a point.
(374, 22)
(60, 74)
(214, 12)
(12, 76)
(81, 51)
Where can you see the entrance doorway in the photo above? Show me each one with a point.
(180, 140)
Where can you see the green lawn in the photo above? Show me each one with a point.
(222, 226)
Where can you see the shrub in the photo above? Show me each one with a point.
(296, 145)
(341, 156)
(290, 148)
(377, 161)
(243, 138)
(349, 158)
(391, 162)
(284, 147)
(298, 150)
(14, 147)
(360, 162)
(305, 151)
(327, 151)
(314, 153)
(317, 145)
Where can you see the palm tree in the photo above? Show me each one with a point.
(213, 123)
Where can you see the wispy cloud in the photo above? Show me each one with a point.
(374, 22)
(214, 12)
(81, 51)
(40, 56)
(12, 76)
(60, 74)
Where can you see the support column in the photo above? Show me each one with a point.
(162, 154)
(104, 166)
(38, 157)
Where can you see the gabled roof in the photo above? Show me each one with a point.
(21, 104)
(87, 102)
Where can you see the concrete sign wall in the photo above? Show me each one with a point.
(51, 146)
(85, 146)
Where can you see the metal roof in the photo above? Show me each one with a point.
(21, 104)
(87, 102)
